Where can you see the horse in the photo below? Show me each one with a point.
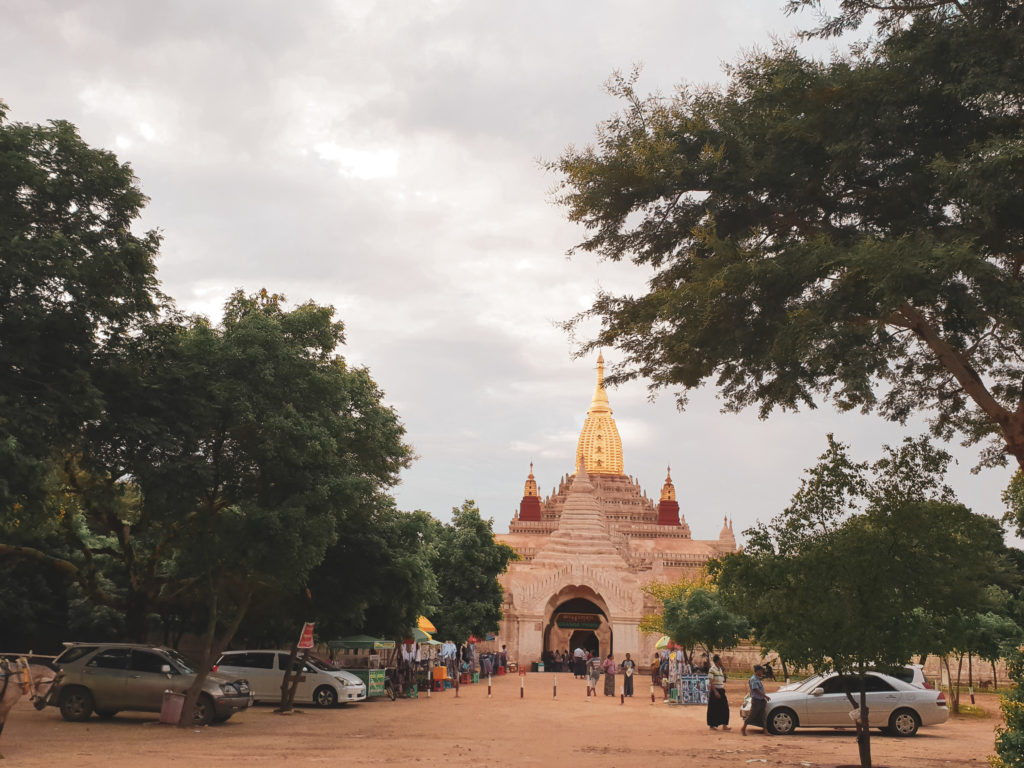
(20, 678)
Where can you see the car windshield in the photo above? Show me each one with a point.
(320, 664)
(181, 661)
(74, 653)
(810, 683)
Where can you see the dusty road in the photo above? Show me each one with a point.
(474, 730)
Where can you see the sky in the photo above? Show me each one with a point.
(387, 158)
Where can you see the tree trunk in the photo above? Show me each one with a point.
(212, 648)
(970, 675)
(785, 670)
(954, 690)
(292, 678)
(863, 732)
(995, 682)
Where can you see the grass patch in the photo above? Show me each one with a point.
(971, 710)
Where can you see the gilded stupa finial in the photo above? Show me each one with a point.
(668, 491)
(600, 446)
(530, 489)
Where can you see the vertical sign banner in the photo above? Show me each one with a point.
(306, 641)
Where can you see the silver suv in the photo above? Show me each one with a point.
(107, 678)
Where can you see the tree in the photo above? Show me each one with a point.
(693, 614)
(242, 451)
(268, 445)
(390, 555)
(847, 229)
(75, 282)
(701, 618)
(877, 566)
(1013, 498)
(467, 565)
(1010, 735)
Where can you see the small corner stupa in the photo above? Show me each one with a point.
(588, 548)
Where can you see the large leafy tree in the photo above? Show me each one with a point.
(256, 445)
(75, 282)
(847, 229)
(467, 564)
(864, 551)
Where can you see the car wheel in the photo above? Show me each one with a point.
(203, 713)
(105, 714)
(782, 721)
(76, 704)
(904, 722)
(325, 696)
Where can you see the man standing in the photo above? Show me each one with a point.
(628, 667)
(718, 704)
(579, 663)
(758, 701)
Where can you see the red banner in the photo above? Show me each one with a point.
(306, 641)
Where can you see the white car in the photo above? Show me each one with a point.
(264, 669)
(894, 706)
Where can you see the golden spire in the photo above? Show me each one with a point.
(599, 446)
(530, 489)
(668, 491)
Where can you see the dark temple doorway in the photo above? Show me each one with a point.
(585, 639)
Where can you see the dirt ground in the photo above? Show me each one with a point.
(476, 730)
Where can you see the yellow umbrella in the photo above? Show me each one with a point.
(424, 624)
(663, 643)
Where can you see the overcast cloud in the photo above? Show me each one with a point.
(382, 157)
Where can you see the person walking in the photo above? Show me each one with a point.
(758, 702)
(609, 676)
(718, 704)
(628, 667)
(593, 673)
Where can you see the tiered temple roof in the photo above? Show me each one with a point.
(647, 535)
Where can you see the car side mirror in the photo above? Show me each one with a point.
(165, 669)
(818, 692)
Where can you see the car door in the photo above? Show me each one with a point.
(105, 675)
(147, 680)
(259, 668)
(831, 707)
(882, 697)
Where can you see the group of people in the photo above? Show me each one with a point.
(590, 666)
(466, 659)
(558, 661)
(586, 665)
(664, 673)
(718, 703)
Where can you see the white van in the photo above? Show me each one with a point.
(265, 670)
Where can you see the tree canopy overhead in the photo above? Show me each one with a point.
(75, 280)
(847, 229)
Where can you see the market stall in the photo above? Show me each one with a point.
(362, 657)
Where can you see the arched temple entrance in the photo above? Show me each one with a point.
(578, 620)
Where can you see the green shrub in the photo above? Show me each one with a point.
(1010, 735)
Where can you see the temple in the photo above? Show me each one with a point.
(588, 548)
